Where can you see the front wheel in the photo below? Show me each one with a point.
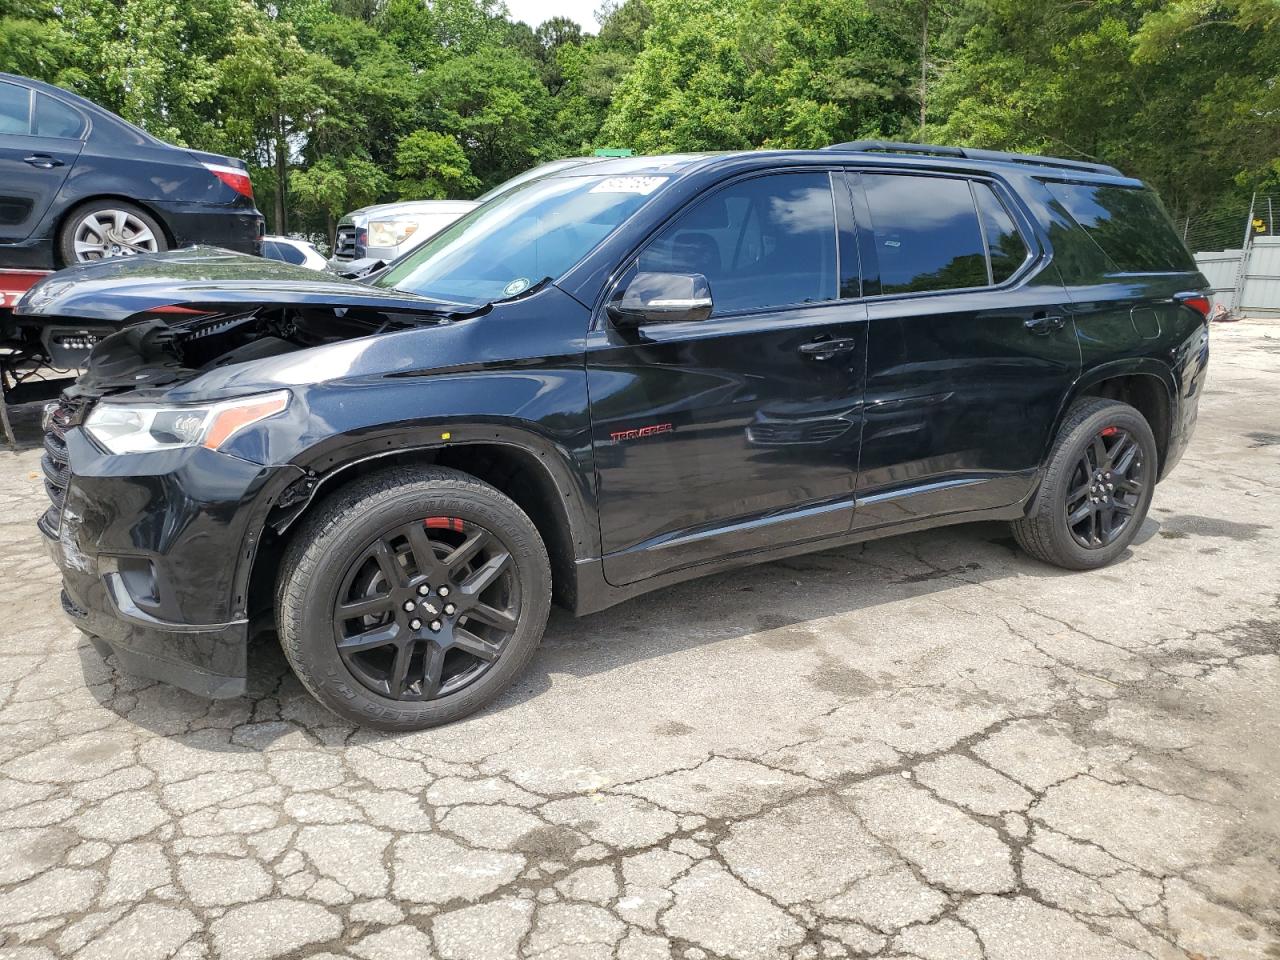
(413, 598)
(1096, 490)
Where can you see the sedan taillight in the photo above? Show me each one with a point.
(235, 178)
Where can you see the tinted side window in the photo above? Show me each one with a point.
(765, 242)
(1004, 244)
(1128, 225)
(15, 109)
(54, 119)
(290, 254)
(926, 233)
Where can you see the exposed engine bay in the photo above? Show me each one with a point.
(155, 352)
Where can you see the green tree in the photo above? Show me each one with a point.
(589, 72)
(493, 102)
(331, 188)
(432, 166)
(730, 74)
(1169, 92)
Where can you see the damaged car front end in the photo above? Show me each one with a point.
(162, 462)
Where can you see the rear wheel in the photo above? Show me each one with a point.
(413, 598)
(1097, 489)
(109, 228)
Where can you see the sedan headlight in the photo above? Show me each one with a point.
(390, 233)
(146, 427)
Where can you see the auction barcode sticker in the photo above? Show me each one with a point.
(641, 185)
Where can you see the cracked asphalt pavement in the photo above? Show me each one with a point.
(928, 747)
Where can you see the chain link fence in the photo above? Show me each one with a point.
(1239, 254)
(1226, 230)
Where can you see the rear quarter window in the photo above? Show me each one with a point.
(55, 119)
(1128, 225)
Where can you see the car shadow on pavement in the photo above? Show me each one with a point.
(725, 607)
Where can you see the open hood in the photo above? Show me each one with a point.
(209, 280)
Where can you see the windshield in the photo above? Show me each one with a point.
(535, 231)
(520, 179)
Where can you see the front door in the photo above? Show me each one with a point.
(970, 348)
(39, 143)
(732, 434)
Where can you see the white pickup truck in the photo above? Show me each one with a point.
(385, 231)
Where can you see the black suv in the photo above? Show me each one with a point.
(604, 382)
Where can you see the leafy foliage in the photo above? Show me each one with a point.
(337, 103)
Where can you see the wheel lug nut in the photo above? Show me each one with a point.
(443, 591)
(423, 590)
(408, 606)
(415, 624)
(435, 626)
(450, 609)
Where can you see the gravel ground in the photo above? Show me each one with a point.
(927, 747)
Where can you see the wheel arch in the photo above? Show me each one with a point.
(538, 475)
(1145, 384)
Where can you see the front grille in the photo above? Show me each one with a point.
(345, 248)
(66, 413)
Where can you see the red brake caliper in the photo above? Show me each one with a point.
(1110, 431)
(443, 523)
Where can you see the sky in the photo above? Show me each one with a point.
(533, 12)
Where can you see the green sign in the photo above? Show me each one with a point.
(608, 152)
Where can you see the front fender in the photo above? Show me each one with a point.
(567, 463)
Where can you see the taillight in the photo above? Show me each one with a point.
(235, 178)
(1196, 301)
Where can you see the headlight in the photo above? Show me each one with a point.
(145, 427)
(390, 233)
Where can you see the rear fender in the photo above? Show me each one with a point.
(1136, 366)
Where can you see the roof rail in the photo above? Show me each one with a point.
(972, 153)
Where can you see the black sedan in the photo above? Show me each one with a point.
(78, 183)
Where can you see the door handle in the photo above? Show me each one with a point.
(826, 349)
(42, 160)
(1043, 323)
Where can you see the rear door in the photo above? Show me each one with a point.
(40, 139)
(970, 349)
(740, 432)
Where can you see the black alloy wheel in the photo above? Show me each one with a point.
(1095, 489)
(427, 608)
(1105, 489)
(412, 597)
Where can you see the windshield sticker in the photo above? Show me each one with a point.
(641, 185)
(519, 285)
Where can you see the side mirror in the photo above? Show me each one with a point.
(662, 298)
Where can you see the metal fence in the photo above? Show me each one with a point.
(1226, 228)
(1245, 281)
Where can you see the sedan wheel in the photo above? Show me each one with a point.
(112, 233)
(105, 229)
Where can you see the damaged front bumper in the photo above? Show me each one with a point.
(155, 555)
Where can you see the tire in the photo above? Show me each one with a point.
(80, 242)
(336, 557)
(1127, 442)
